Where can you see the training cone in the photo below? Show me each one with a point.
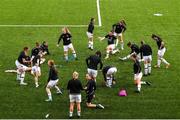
(122, 93)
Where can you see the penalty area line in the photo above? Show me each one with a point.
(99, 13)
(45, 26)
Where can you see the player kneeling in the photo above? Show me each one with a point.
(36, 70)
(52, 80)
(111, 44)
(90, 91)
(108, 73)
(138, 74)
(146, 53)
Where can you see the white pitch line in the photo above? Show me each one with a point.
(99, 13)
(45, 26)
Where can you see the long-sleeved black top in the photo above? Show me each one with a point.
(66, 38)
(91, 87)
(145, 50)
(93, 61)
(53, 74)
(137, 67)
(74, 86)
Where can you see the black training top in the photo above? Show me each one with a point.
(111, 39)
(53, 74)
(91, 27)
(36, 60)
(105, 69)
(66, 38)
(74, 86)
(119, 28)
(145, 50)
(93, 61)
(135, 48)
(91, 87)
(159, 43)
(137, 67)
(35, 51)
(22, 56)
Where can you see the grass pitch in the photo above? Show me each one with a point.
(161, 100)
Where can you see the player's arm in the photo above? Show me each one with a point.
(124, 28)
(101, 38)
(101, 64)
(87, 61)
(162, 44)
(141, 52)
(113, 27)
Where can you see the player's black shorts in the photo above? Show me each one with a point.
(89, 98)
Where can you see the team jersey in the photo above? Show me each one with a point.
(135, 48)
(105, 69)
(111, 39)
(74, 86)
(36, 60)
(35, 51)
(53, 75)
(44, 48)
(21, 57)
(159, 43)
(66, 38)
(93, 61)
(119, 28)
(137, 67)
(91, 87)
(91, 27)
(145, 50)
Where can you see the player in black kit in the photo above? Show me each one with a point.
(118, 29)
(90, 92)
(161, 51)
(146, 55)
(67, 44)
(90, 33)
(138, 74)
(134, 50)
(92, 64)
(111, 44)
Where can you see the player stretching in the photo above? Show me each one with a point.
(134, 50)
(21, 64)
(90, 91)
(161, 51)
(119, 29)
(92, 64)
(108, 73)
(111, 44)
(36, 70)
(74, 86)
(52, 80)
(67, 44)
(138, 74)
(90, 33)
(146, 55)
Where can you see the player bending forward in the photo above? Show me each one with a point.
(22, 65)
(146, 55)
(74, 86)
(52, 80)
(111, 44)
(67, 44)
(90, 92)
(92, 64)
(161, 51)
(138, 74)
(36, 70)
(90, 33)
(118, 29)
(134, 50)
(108, 73)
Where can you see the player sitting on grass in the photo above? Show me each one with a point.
(118, 29)
(146, 55)
(90, 33)
(90, 92)
(36, 70)
(52, 80)
(161, 51)
(111, 44)
(108, 74)
(134, 50)
(138, 74)
(92, 64)
(67, 44)
(74, 86)
(44, 48)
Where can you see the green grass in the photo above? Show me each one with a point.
(161, 100)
